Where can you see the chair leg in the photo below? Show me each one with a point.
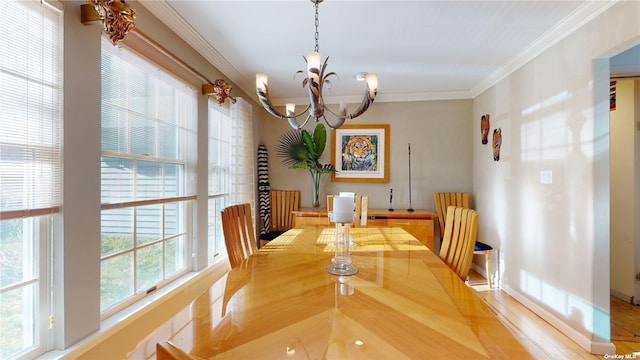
(487, 267)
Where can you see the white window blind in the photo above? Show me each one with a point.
(148, 142)
(30, 108)
(243, 154)
(31, 35)
(231, 164)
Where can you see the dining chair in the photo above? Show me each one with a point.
(166, 350)
(283, 202)
(460, 232)
(442, 201)
(361, 208)
(239, 236)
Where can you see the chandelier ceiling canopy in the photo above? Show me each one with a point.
(315, 81)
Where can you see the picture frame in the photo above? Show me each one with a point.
(360, 153)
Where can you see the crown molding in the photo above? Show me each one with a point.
(581, 16)
(585, 13)
(380, 98)
(167, 15)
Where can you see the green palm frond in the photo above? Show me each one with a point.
(310, 145)
(292, 149)
(320, 139)
(301, 150)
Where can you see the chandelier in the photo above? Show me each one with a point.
(315, 82)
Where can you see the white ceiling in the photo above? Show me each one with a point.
(421, 50)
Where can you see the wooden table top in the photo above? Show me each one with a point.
(404, 303)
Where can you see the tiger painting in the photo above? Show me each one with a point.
(359, 153)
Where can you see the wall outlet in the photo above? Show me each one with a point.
(546, 177)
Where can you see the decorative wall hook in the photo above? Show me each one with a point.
(117, 17)
(220, 89)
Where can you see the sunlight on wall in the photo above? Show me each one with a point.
(577, 312)
(545, 136)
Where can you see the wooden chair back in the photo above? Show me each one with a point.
(239, 235)
(443, 200)
(166, 350)
(283, 202)
(361, 208)
(460, 233)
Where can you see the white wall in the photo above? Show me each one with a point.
(554, 239)
(623, 190)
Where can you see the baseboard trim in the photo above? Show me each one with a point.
(592, 346)
(621, 296)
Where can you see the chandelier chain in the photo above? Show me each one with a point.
(317, 22)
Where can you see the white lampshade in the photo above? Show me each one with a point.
(261, 81)
(290, 108)
(313, 60)
(372, 81)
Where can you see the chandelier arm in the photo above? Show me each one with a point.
(294, 123)
(364, 105)
(295, 116)
(337, 115)
(338, 123)
(265, 100)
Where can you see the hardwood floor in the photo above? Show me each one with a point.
(546, 342)
(625, 326)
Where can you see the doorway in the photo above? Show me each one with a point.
(625, 199)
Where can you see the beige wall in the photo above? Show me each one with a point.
(554, 238)
(440, 133)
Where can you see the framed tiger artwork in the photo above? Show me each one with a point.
(360, 153)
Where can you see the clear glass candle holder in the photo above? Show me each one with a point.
(341, 263)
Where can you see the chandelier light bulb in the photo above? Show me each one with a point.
(372, 81)
(291, 109)
(313, 60)
(261, 81)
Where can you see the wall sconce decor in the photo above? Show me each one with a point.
(220, 89)
(484, 128)
(117, 17)
(496, 143)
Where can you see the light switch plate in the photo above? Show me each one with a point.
(546, 177)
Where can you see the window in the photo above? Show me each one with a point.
(30, 168)
(148, 147)
(231, 165)
(219, 170)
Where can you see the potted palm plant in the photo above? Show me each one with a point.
(302, 150)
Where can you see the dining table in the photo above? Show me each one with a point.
(403, 303)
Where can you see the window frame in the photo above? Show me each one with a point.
(185, 198)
